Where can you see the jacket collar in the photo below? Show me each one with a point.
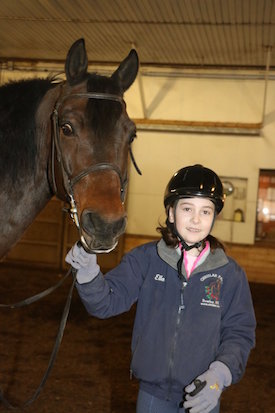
(215, 259)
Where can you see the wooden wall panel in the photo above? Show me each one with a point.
(52, 234)
(49, 238)
(41, 244)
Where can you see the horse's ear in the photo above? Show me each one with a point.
(127, 71)
(76, 62)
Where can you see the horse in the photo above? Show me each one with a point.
(70, 139)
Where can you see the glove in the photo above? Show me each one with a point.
(85, 264)
(217, 377)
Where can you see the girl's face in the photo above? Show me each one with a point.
(194, 218)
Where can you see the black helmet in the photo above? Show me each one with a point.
(195, 181)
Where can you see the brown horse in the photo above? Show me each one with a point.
(70, 139)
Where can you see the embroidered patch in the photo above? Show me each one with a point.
(159, 277)
(212, 293)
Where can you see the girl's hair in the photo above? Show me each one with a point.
(172, 240)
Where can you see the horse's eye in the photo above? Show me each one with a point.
(67, 129)
(132, 137)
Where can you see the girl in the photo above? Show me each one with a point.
(195, 324)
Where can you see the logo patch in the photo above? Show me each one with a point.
(212, 292)
(159, 277)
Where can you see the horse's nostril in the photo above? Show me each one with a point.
(119, 226)
(94, 224)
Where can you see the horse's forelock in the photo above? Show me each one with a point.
(99, 83)
(103, 114)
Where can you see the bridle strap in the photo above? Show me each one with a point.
(67, 179)
(92, 95)
(98, 167)
(133, 159)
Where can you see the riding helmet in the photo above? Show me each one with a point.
(193, 181)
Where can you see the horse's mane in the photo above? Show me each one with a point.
(18, 104)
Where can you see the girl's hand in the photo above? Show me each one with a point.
(84, 262)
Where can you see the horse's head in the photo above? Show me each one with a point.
(92, 138)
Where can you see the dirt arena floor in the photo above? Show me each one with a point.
(91, 373)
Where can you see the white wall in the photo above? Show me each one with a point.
(159, 154)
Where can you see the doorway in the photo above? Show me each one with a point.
(265, 224)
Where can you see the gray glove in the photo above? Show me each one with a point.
(85, 264)
(217, 377)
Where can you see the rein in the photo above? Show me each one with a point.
(58, 339)
(69, 181)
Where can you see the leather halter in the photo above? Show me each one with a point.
(68, 180)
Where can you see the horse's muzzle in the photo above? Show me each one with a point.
(100, 235)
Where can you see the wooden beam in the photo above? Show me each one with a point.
(236, 128)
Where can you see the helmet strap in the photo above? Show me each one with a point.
(182, 244)
(179, 265)
(185, 247)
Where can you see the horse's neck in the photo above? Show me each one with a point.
(21, 203)
(19, 207)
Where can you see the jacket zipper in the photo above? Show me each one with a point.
(180, 309)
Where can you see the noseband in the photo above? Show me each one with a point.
(68, 180)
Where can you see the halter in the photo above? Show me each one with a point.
(68, 180)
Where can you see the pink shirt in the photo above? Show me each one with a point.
(191, 262)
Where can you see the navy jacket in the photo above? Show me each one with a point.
(180, 326)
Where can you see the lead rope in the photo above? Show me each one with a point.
(58, 340)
